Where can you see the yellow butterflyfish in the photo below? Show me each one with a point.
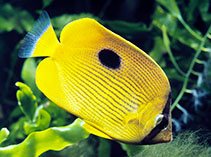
(119, 91)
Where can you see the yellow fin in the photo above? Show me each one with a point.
(85, 33)
(41, 41)
(48, 80)
(94, 130)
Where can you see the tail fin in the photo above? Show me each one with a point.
(41, 41)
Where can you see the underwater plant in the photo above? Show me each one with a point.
(180, 32)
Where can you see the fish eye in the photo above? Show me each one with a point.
(109, 58)
(158, 119)
(161, 121)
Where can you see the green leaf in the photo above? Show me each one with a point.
(126, 28)
(4, 132)
(158, 51)
(161, 17)
(173, 74)
(172, 7)
(58, 115)
(55, 138)
(16, 131)
(5, 26)
(186, 38)
(46, 3)
(132, 150)
(166, 42)
(15, 113)
(204, 10)
(204, 6)
(192, 6)
(26, 100)
(14, 19)
(104, 149)
(41, 122)
(28, 75)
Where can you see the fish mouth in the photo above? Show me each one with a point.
(162, 133)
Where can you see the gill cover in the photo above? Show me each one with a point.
(95, 74)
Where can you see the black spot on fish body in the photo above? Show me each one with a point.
(109, 58)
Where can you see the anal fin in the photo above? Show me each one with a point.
(93, 130)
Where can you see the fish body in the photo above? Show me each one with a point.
(119, 91)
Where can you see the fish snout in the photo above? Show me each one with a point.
(162, 132)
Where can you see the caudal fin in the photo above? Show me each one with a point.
(41, 41)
